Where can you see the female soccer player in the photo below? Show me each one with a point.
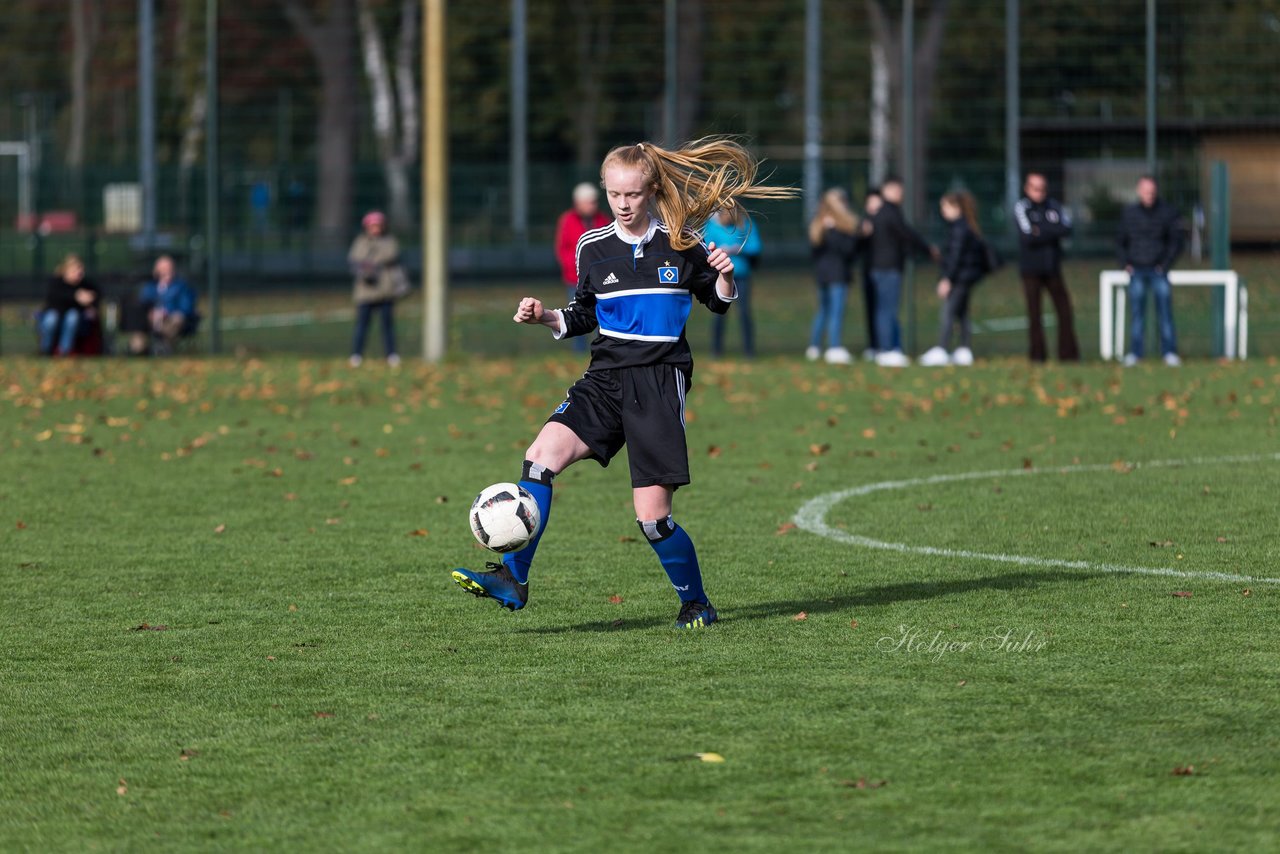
(637, 279)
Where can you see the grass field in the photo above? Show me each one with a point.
(228, 621)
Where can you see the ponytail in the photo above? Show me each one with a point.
(694, 181)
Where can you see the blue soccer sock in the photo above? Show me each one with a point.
(679, 559)
(537, 480)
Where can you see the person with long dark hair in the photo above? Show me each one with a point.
(965, 260)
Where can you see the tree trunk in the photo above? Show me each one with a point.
(592, 45)
(395, 106)
(330, 44)
(886, 33)
(881, 115)
(86, 26)
(691, 19)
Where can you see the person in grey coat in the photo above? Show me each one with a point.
(379, 281)
(1149, 242)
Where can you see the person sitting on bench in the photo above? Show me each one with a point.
(169, 304)
(70, 306)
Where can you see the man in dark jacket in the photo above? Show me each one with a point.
(1149, 242)
(888, 247)
(1042, 224)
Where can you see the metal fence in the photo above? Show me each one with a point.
(104, 108)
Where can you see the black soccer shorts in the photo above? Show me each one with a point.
(641, 408)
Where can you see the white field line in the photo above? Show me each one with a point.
(812, 517)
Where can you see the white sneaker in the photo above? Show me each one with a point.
(812, 353)
(869, 354)
(393, 361)
(962, 357)
(355, 361)
(935, 357)
(1172, 360)
(837, 356)
(1129, 360)
(892, 359)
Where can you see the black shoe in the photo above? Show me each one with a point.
(497, 583)
(696, 615)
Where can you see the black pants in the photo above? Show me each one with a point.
(956, 310)
(1068, 347)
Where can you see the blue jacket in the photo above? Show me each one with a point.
(178, 297)
(744, 238)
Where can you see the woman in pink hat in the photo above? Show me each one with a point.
(379, 281)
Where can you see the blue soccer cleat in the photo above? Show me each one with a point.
(497, 583)
(696, 615)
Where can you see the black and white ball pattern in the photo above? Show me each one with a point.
(504, 517)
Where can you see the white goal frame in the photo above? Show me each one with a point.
(1113, 297)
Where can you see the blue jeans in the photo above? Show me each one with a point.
(580, 342)
(49, 329)
(888, 294)
(1141, 281)
(743, 308)
(830, 316)
(364, 312)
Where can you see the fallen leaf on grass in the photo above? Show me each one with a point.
(1246, 592)
(864, 783)
(123, 788)
(347, 481)
(293, 608)
(1161, 544)
(271, 658)
(615, 599)
(962, 683)
(291, 496)
(709, 757)
(185, 755)
(869, 433)
(220, 529)
(442, 499)
(853, 624)
(1182, 594)
(1026, 463)
(147, 627)
(1222, 539)
(22, 526)
(803, 615)
(627, 539)
(714, 451)
(324, 714)
(785, 528)
(419, 532)
(1184, 770)
(819, 450)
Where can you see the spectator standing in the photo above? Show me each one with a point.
(741, 242)
(1149, 242)
(870, 205)
(833, 238)
(1042, 224)
(168, 307)
(70, 304)
(965, 260)
(892, 240)
(379, 281)
(584, 216)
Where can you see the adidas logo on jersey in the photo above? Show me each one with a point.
(610, 279)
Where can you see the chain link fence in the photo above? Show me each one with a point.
(320, 115)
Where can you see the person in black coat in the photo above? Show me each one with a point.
(964, 262)
(70, 304)
(891, 242)
(1042, 225)
(833, 238)
(1149, 242)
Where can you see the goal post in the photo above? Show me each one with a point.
(1113, 298)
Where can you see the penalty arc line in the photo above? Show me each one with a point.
(812, 517)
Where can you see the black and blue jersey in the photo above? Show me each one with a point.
(637, 292)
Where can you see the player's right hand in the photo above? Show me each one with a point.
(529, 311)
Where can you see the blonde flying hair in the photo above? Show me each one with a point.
(968, 206)
(694, 181)
(834, 204)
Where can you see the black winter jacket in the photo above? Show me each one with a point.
(892, 239)
(60, 296)
(1149, 237)
(1041, 228)
(833, 258)
(964, 259)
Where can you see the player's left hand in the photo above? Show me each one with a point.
(720, 261)
(529, 311)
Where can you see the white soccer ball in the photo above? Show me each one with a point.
(504, 517)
